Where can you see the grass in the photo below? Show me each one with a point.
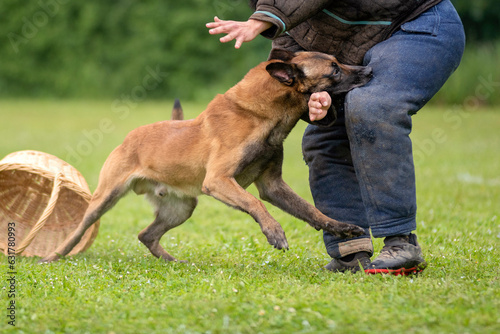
(235, 282)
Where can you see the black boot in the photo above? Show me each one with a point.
(353, 263)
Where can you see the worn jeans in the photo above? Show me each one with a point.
(361, 169)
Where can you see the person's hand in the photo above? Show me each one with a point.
(319, 103)
(241, 31)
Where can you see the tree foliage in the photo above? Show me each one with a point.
(481, 19)
(108, 48)
(129, 49)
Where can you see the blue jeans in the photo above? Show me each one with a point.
(361, 169)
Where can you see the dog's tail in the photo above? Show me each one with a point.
(177, 113)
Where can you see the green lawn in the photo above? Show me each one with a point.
(235, 282)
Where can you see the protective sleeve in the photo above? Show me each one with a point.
(285, 14)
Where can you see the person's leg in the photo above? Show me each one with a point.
(333, 183)
(409, 68)
(377, 187)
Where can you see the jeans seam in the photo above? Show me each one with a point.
(359, 172)
(438, 21)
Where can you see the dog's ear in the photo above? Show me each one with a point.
(283, 72)
(280, 54)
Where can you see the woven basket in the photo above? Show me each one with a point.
(46, 199)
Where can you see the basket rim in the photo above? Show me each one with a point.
(65, 182)
(80, 187)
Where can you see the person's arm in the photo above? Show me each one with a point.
(319, 103)
(271, 19)
(285, 14)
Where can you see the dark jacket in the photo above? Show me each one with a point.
(346, 29)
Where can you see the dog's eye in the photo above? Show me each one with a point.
(334, 73)
(336, 69)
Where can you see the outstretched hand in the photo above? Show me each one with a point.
(241, 31)
(319, 103)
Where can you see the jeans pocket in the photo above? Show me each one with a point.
(425, 23)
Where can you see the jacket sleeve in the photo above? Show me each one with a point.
(285, 14)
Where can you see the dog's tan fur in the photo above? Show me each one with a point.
(236, 141)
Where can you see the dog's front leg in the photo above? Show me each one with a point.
(228, 191)
(273, 189)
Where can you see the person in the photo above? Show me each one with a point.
(361, 167)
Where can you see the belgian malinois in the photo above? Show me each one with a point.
(236, 141)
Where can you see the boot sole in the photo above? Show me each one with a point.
(395, 272)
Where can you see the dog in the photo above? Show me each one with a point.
(236, 141)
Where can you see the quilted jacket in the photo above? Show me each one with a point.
(344, 28)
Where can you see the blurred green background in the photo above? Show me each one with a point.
(155, 49)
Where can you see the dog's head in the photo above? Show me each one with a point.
(311, 72)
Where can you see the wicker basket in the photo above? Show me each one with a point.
(46, 199)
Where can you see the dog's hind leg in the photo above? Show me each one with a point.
(171, 211)
(114, 182)
(99, 205)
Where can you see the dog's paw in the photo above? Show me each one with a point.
(281, 245)
(276, 238)
(343, 230)
(348, 231)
